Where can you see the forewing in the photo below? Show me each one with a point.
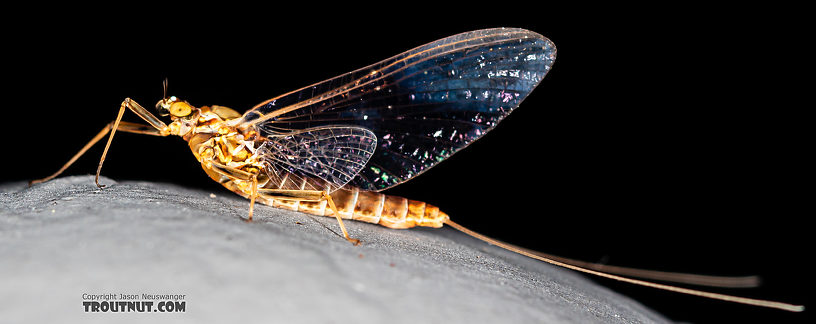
(424, 104)
(320, 158)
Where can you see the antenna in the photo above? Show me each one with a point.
(164, 87)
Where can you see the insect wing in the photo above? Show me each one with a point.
(333, 154)
(424, 104)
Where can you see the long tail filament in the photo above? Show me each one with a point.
(539, 256)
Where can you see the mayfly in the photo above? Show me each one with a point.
(330, 148)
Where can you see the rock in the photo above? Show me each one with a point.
(65, 238)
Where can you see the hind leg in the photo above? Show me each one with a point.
(282, 194)
(309, 195)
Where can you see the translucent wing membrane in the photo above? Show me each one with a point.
(334, 154)
(423, 105)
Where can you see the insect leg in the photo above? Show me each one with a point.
(309, 195)
(339, 220)
(289, 194)
(283, 194)
(141, 112)
(229, 172)
(253, 195)
(123, 126)
(236, 176)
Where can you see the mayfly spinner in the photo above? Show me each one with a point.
(329, 148)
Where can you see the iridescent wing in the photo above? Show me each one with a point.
(334, 154)
(423, 105)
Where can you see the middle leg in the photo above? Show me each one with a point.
(253, 192)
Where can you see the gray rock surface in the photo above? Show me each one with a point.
(65, 238)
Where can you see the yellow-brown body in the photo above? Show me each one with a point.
(222, 149)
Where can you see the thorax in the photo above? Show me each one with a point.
(214, 137)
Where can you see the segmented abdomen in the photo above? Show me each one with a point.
(370, 207)
(351, 202)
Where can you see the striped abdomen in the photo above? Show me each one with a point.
(352, 203)
(370, 207)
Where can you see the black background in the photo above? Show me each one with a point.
(665, 138)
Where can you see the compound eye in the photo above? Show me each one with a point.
(180, 109)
